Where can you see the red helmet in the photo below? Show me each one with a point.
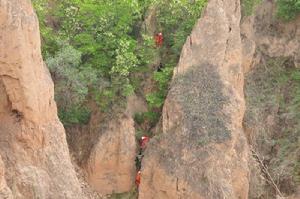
(144, 137)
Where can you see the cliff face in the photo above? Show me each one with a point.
(105, 149)
(110, 167)
(202, 152)
(32, 140)
(265, 35)
(5, 192)
(271, 51)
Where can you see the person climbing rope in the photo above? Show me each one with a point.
(159, 40)
(144, 141)
(160, 67)
(138, 179)
(138, 160)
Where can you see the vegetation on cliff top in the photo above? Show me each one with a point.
(94, 47)
(288, 9)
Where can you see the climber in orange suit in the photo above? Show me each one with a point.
(138, 179)
(144, 141)
(159, 40)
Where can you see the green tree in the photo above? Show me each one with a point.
(176, 20)
(94, 48)
(288, 9)
(50, 40)
(102, 32)
(156, 99)
(71, 84)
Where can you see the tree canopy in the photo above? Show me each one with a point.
(94, 47)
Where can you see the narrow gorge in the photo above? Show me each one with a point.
(82, 83)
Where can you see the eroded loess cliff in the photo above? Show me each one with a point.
(203, 152)
(110, 167)
(36, 162)
(271, 50)
(5, 191)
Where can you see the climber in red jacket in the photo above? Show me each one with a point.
(159, 40)
(138, 179)
(144, 141)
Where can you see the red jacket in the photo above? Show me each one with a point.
(159, 39)
(138, 179)
(144, 142)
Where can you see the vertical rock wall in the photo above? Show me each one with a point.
(32, 139)
(111, 164)
(5, 192)
(203, 152)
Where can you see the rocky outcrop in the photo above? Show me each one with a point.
(5, 192)
(202, 152)
(105, 148)
(32, 139)
(263, 34)
(111, 165)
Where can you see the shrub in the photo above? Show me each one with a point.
(163, 78)
(139, 118)
(295, 107)
(74, 115)
(156, 99)
(248, 6)
(176, 20)
(150, 117)
(48, 37)
(288, 9)
(133, 194)
(71, 84)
